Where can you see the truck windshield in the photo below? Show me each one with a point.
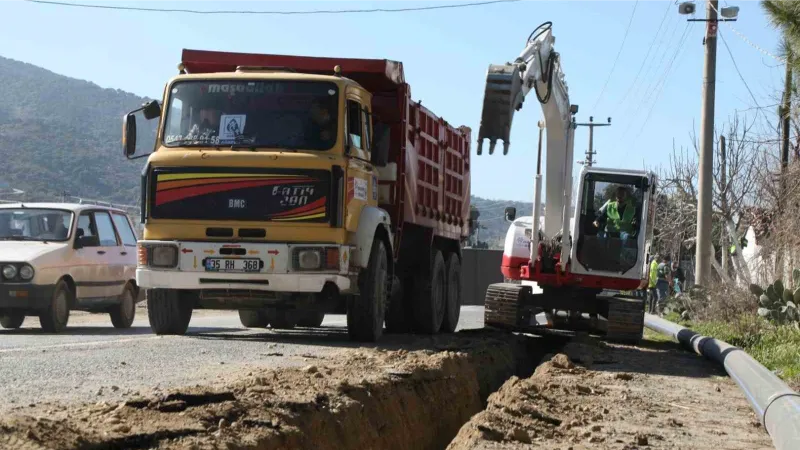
(300, 115)
(28, 224)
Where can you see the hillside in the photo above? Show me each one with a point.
(62, 134)
(492, 221)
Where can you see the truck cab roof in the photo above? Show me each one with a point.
(373, 74)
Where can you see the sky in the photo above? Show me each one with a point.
(654, 102)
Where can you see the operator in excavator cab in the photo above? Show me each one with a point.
(620, 215)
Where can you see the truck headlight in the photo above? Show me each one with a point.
(26, 272)
(309, 259)
(9, 272)
(163, 256)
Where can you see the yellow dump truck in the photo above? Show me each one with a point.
(288, 187)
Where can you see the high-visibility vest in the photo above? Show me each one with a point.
(653, 273)
(615, 224)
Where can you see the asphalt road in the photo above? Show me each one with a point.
(92, 361)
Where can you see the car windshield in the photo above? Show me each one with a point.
(33, 224)
(300, 115)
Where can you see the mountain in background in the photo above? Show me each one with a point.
(61, 134)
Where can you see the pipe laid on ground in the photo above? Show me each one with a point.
(775, 403)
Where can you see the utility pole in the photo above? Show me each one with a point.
(704, 246)
(589, 161)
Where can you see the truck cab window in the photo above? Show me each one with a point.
(354, 123)
(367, 131)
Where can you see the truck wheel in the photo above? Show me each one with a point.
(168, 312)
(312, 319)
(122, 315)
(253, 318)
(281, 319)
(367, 310)
(452, 293)
(54, 319)
(430, 296)
(12, 320)
(398, 315)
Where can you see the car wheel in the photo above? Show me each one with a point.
(12, 320)
(122, 315)
(54, 319)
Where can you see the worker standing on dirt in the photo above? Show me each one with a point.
(652, 294)
(663, 282)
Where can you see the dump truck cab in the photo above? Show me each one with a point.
(261, 195)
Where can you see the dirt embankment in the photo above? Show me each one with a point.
(594, 396)
(358, 399)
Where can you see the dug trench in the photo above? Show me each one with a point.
(476, 389)
(415, 397)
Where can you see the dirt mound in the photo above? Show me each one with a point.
(570, 406)
(356, 399)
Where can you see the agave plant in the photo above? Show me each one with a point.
(778, 302)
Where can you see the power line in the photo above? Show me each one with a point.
(662, 81)
(621, 46)
(741, 77)
(748, 41)
(646, 56)
(651, 85)
(286, 13)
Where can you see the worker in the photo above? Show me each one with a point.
(620, 214)
(663, 281)
(677, 278)
(652, 294)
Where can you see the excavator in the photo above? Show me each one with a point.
(581, 261)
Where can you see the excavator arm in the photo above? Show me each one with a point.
(537, 69)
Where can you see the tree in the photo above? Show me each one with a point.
(735, 187)
(785, 15)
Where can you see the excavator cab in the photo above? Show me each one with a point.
(613, 227)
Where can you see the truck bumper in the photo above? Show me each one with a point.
(25, 296)
(311, 283)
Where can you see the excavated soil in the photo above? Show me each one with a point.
(596, 396)
(474, 390)
(356, 399)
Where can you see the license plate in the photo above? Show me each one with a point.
(232, 265)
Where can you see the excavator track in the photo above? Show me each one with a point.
(503, 305)
(625, 319)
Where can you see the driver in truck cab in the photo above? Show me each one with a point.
(620, 214)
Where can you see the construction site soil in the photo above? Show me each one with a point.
(476, 389)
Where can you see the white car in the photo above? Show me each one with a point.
(57, 257)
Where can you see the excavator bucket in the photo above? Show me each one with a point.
(502, 97)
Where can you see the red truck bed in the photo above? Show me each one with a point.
(433, 172)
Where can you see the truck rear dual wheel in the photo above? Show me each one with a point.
(366, 311)
(168, 312)
(429, 301)
(253, 318)
(452, 293)
(399, 316)
(311, 319)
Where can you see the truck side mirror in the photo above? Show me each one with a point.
(380, 144)
(151, 110)
(511, 213)
(129, 134)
